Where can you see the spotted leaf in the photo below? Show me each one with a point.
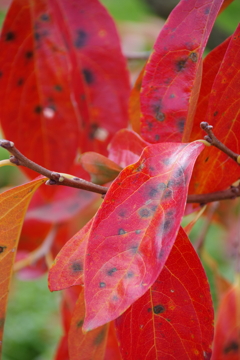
(135, 228)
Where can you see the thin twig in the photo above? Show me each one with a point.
(232, 193)
(55, 178)
(211, 138)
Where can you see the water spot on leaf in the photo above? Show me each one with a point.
(100, 337)
(181, 64)
(193, 56)
(81, 39)
(10, 35)
(77, 266)
(158, 309)
(80, 323)
(144, 213)
(88, 76)
(231, 347)
(28, 54)
(102, 284)
(110, 272)
(38, 109)
(121, 232)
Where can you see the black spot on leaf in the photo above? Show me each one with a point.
(2, 248)
(37, 36)
(110, 272)
(137, 231)
(207, 11)
(121, 232)
(99, 338)
(157, 137)
(158, 309)
(102, 284)
(45, 17)
(77, 266)
(20, 82)
(144, 213)
(93, 130)
(38, 109)
(79, 323)
(215, 113)
(180, 125)
(28, 54)
(10, 35)
(167, 225)
(160, 116)
(58, 88)
(178, 172)
(88, 76)
(130, 274)
(181, 64)
(81, 38)
(206, 160)
(231, 347)
(167, 194)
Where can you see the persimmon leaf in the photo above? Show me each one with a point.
(86, 346)
(59, 85)
(226, 345)
(135, 228)
(173, 73)
(67, 269)
(174, 318)
(13, 206)
(223, 113)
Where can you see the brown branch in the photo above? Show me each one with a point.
(211, 138)
(231, 193)
(55, 178)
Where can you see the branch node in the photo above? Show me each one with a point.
(208, 139)
(55, 176)
(14, 160)
(205, 126)
(51, 182)
(6, 144)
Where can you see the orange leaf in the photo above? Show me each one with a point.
(13, 206)
(134, 103)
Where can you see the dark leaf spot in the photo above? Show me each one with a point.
(93, 130)
(100, 337)
(137, 231)
(81, 39)
(194, 57)
(121, 232)
(167, 194)
(102, 284)
(77, 266)
(38, 109)
(167, 225)
(20, 82)
(45, 17)
(1, 74)
(130, 274)
(28, 54)
(10, 35)
(232, 347)
(111, 271)
(153, 193)
(58, 88)
(79, 323)
(207, 11)
(149, 310)
(206, 160)
(158, 309)
(180, 125)
(37, 36)
(2, 248)
(88, 76)
(157, 137)
(160, 116)
(178, 172)
(181, 64)
(134, 249)
(144, 213)
(215, 113)
(122, 213)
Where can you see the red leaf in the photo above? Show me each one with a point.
(59, 85)
(85, 346)
(13, 206)
(135, 228)
(173, 319)
(112, 347)
(223, 113)
(126, 147)
(173, 74)
(226, 345)
(67, 269)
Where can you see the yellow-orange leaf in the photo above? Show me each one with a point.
(13, 206)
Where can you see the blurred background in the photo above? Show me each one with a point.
(33, 325)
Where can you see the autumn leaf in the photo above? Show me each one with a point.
(13, 206)
(174, 318)
(135, 228)
(134, 103)
(226, 345)
(222, 111)
(59, 85)
(173, 73)
(86, 346)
